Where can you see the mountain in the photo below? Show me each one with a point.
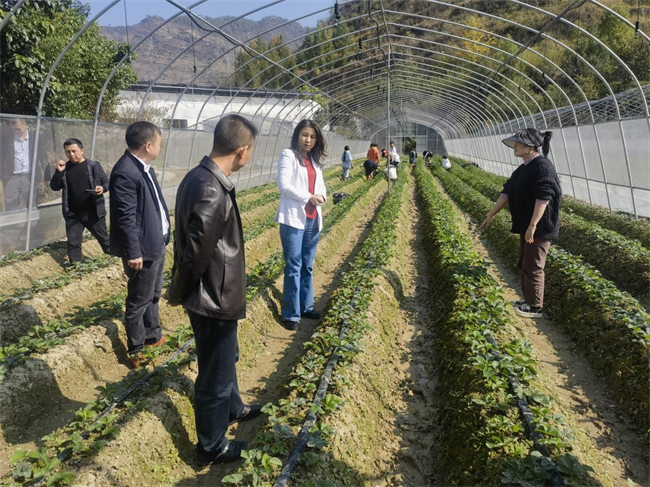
(171, 39)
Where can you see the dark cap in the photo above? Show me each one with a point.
(532, 138)
(525, 137)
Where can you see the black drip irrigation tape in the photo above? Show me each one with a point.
(527, 415)
(302, 440)
(65, 454)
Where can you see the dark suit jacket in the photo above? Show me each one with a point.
(7, 157)
(136, 227)
(97, 177)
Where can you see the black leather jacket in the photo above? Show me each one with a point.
(209, 272)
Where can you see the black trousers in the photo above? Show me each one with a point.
(74, 229)
(141, 318)
(216, 393)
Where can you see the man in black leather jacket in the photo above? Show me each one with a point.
(209, 280)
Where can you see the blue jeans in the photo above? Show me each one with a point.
(299, 252)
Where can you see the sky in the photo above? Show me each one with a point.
(136, 10)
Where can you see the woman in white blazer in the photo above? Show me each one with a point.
(302, 194)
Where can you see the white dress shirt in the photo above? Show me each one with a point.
(21, 154)
(163, 217)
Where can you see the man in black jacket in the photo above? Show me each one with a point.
(16, 165)
(140, 230)
(209, 279)
(84, 183)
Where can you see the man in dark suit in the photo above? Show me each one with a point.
(140, 230)
(16, 167)
(84, 183)
(209, 279)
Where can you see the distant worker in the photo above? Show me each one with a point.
(346, 162)
(413, 156)
(372, 162)
(84, 183)
(393, 155)
(427, 157)
(445, 162)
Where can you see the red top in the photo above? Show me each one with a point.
(373, 154)
(310, 209)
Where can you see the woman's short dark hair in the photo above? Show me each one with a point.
(139, 133)
(318, 151)
(72, 141)
(347, 147)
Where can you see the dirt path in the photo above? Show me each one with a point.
(385, 432)
(605, 439)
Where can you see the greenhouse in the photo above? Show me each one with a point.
(324, 243)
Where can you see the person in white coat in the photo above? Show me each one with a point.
(302, 194)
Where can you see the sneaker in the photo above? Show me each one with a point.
(519, 302)
(136, 359)
(159, 343)
(249, 412)
(231, 453)
(290, 325)
(529, 311)
(311, 315)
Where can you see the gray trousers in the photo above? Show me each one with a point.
(141, 318)
(17, 192)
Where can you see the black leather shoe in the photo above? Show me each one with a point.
(290, 325)
(249, 412)
(231, 453)
(311, 315)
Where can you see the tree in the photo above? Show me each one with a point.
(31, 42)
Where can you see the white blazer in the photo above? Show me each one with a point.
(293, 184)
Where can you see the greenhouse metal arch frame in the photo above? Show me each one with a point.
(429, 93)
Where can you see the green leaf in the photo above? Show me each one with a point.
(234, 478)
(17, 455)
(22, 472)
(543, 399)
(61, 478)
